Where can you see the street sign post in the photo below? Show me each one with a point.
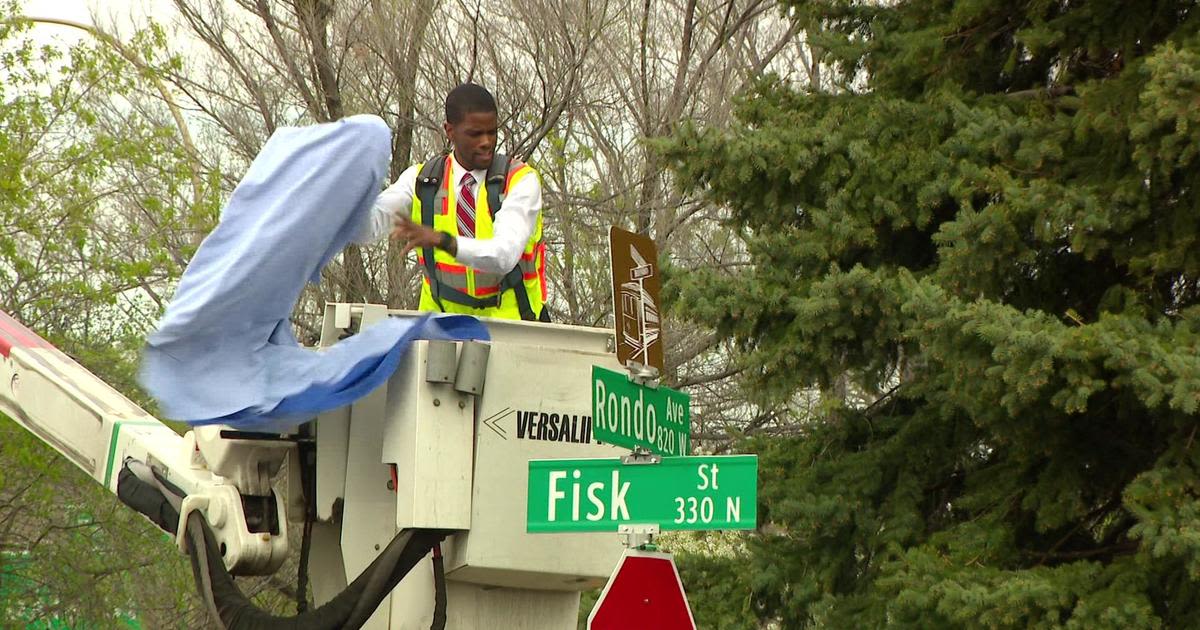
(644, 592)
(599, 495)
(629, 414)
(636, 288)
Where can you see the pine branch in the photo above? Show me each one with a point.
(1053, 91)
(1119, 549)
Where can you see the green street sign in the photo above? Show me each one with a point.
(597, 495)
(627, 414)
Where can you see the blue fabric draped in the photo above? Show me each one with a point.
(224, 351)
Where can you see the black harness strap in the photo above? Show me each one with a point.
(462, 299)
(496, 175)
(515, 280)
(429, 180)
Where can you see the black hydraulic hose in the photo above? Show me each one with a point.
(308, 483)
(350, 609)
(147, 499)
(439, 589)
(375, 582)
(302, 570)
(225, 602)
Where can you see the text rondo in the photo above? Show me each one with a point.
(628, 414)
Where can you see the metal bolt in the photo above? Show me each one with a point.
(437, 402)
(462, 404)
(391, 485)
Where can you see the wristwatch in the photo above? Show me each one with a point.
(447, 242)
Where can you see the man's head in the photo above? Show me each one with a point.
(471, 125)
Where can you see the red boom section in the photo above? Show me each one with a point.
(14, 334)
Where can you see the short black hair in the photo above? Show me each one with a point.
(468, 98)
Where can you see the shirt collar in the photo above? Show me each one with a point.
(458, 170)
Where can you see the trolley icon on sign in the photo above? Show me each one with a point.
(636, 287)
(641, 327)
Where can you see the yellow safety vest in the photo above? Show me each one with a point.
(453, 287)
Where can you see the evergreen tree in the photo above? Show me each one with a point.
(990, 230)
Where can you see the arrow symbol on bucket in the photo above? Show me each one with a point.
(492, 422)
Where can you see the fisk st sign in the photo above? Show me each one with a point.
(598, 495)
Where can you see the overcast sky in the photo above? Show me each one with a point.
(123, 12)
(70, 9)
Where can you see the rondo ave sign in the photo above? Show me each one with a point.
(644, 592)
(627, 414)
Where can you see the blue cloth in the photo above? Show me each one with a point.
(224, 351)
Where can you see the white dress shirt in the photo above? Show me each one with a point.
(511, 228)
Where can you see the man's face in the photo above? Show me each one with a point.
(474, 139)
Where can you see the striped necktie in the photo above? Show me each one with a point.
(466, 208)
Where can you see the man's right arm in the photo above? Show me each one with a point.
(395, 201)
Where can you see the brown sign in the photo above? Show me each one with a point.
(636, 289)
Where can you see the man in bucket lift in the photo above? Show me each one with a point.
(474, 217)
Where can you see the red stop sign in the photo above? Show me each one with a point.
(644, 592)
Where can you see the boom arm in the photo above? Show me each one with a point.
(210, 489)
(110, 438)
